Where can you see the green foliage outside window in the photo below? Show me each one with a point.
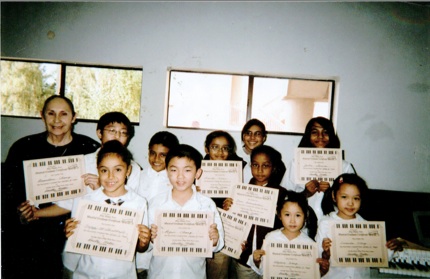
(93, 90)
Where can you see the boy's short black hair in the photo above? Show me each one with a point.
(185, 151)
(116, 117)
(164, 138)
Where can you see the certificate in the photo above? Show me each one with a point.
(358, 244)
(183, 233)
(54, 179)
(218, 177)
(322, 164)
(236, 231)
(290, 260)
(257, 204)
(105, 230)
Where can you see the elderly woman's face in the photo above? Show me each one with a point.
(58, 117)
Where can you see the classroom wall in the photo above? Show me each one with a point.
(379, 53)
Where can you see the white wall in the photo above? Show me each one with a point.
(378, 51)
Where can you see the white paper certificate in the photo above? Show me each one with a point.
(236, 231)
(322, 164)
(257, 204)
(105, 230)
(183, 233)
(218, 177)
(359, 244)
(290, 260)
(54, 179)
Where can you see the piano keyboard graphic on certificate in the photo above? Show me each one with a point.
(184, 233)
(322, 164)
(218, 177)
(359, 244)
(105, 231)
(236, 231)
(258, 202)
(290, 260)
(54, 179)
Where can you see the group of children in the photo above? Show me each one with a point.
(169, 185)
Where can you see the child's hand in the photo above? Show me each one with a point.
(257, 256)
(227, 203)
(324, 266)
(144, 237)
(91, 180)
(243, 245)
(26, 212)
(154, 230)
(213, 234)
(70, 225)
(323, 186)
(326, 244)
(395, 244)
(311, 188)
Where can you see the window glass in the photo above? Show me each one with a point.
(207, 101)
(227, 101)
(26, 85)
(94, 90)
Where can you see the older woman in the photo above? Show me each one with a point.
(35, 249)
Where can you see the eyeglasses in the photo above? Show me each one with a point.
(257, 134)
(113, 132)
(217, 148)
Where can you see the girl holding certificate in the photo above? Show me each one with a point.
(219, 145)
(114, 167)
(294, 215)
(319, 133)
(267, 171)
(347, 193)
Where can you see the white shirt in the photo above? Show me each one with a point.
(153, 183)
(277, 235)
(324, 231)
(289, 183)
(176, 267)
(247, 174)
(99, 267)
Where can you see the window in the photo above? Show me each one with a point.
(226, 101)
(94, 90)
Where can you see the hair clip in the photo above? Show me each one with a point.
(341, 179)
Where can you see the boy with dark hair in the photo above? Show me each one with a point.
(183, 167)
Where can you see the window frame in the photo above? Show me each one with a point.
(251, 76)
(62, 80)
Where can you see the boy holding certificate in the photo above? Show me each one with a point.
(183, 167)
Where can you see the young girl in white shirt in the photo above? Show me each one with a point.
(294, 214)
(220, 145)
(348, 194)
(113, 163)
(319, 133)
